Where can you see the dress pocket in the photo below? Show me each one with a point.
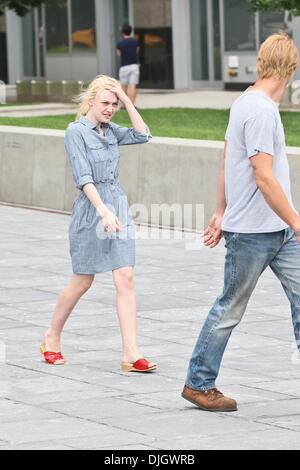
(90, 212)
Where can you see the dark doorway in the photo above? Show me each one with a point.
(3, 58)
(153, 28)
(156, 57)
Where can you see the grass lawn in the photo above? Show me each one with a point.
(17, 104)
(204, 124)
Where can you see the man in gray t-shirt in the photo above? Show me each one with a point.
(254, 126)
(255, 214)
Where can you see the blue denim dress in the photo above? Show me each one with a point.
(96, 159)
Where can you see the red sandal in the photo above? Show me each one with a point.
(52, 357)
(141, 365)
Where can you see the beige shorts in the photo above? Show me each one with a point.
(130, 74)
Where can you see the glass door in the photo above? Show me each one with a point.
(33, 44)
(152, 23)
(153, 28)
(121, 16)
(206, 53)
(3, 52)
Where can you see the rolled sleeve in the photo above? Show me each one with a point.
(131, 136)
(76, 152)
(260, 134)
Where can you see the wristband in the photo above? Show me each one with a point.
(297, 233)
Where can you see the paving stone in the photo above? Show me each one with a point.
(189, 421)
(11, 411)
(48, 430)
(37, 446)
(265, 410)
(96, 409)
(274, 439)
(108, 435)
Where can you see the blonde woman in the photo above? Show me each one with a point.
(101, 230)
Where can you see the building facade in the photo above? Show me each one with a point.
(192, 44)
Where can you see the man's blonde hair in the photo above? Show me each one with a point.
(96, 86)
(278, 57)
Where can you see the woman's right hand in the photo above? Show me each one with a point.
(111, 222)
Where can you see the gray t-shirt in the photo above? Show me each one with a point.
(254, 126)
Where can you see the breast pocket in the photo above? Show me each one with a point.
(98, 151)
(99, 155)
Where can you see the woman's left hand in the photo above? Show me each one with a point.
(116, 88)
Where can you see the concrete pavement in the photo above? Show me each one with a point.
(146, 99)
(89, 403)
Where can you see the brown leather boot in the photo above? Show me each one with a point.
(210, 400)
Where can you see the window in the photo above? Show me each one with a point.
(198, 9)
(83, 25)
(217, 40)
(239, 26)
(271, 22)
(29, 45)
(57, 26)
(153, 29)
(33, 44)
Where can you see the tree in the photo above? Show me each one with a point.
(20, 7)
(292, 6)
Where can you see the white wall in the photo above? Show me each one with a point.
(14, 46)
(181, 43)
(71, 67)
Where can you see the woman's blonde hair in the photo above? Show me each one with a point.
(278, 57)
(96, 86)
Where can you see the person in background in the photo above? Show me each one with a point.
(128, 49)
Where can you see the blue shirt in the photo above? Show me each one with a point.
(128, 48)
(95, 158)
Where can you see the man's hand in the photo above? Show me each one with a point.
(296, 228)
(213, 234)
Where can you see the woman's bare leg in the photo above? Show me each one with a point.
(66, 302)
(125, 88)
(132, 92)
(126, 309)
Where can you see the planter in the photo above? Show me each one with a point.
(39, 91)
(24, 91)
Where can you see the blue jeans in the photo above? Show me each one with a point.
(247, 257)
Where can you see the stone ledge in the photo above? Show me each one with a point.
(34, 171)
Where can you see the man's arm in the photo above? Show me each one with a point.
(118, 52)
(213, 233)
(262, 165)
